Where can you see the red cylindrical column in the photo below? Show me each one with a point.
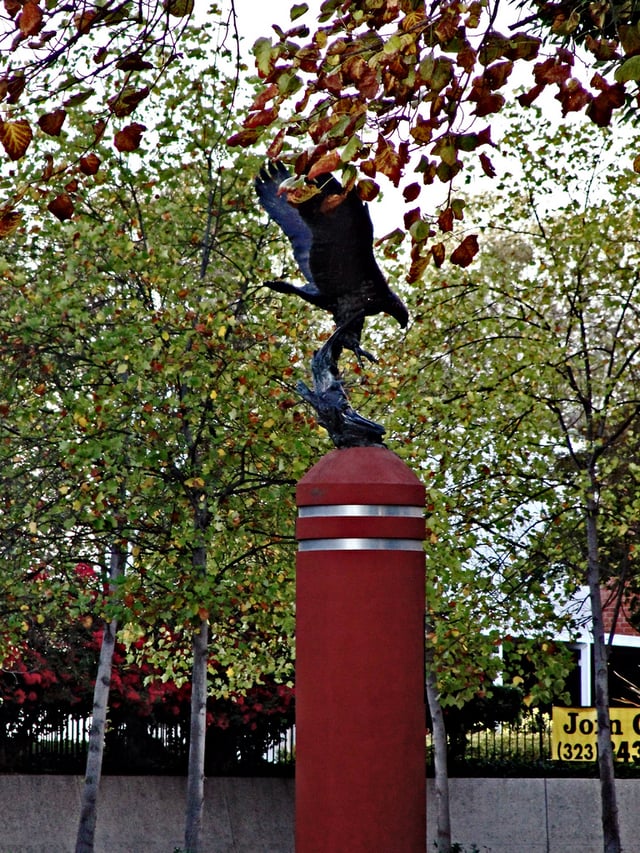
(360, 715)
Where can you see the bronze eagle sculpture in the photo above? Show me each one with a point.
(331, 234)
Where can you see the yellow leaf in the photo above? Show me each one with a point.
(15, 137)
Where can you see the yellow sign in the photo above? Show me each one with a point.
(574, 734)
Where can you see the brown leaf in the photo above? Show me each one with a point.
(445, 220)
(15, 137)
(243, 138)
(327, 163)
(84, 20)
(15, 87)
(125, 102)
(411, 192)
(522, 46)
(99, 128)
(89, 164)
(498, 74)
(465, 252)
(389, 161)
(264, 96)
(438, 254)
(486, 101)
(178, 8)
(48, 167)
(610, 98)
(129, 138)
(133, 62)
(273, 151)
(61, 207)
(417, 268)
(12, 7)
(368, 189)
(487, 166)
(551, 71)
(527, 98)
(573, 97)
(9, 221)
(51, 123)
(30, 21)
(262, 118)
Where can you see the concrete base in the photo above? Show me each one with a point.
(145, 814)
(534, 815)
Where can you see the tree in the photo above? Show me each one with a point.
(164, 400)
(90, 64)
(535, 350)
(390, 88)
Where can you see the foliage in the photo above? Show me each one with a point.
(50, 678)
(71, 76)
(411, 91)
(140, 385)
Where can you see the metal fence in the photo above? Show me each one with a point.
(526, 743)
(143, 747)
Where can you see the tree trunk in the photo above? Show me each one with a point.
(610, 824)
(439, 737)
(89, 803)
(195, 782)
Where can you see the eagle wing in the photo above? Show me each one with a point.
(286, 215)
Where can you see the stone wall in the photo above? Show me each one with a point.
(144, 814)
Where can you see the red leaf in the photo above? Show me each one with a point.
(243, 138)
(487, 166)
(389, 161)
(551, 71)
(12, 7)
(262, 99)
(526, 99)
(30, 21)
(261, 118)
(573, 97)
(61, 207)
(273, 151)
(89, 164)
(445, 220)
(498, 74)
(327, 163)
(465, 252)
(368, 189)
(51, 123)
(602, 106)
(128, 139)
(438, 254)
(411, 192)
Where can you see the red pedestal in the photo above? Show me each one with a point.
(360, 715)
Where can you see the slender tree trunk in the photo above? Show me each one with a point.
(89, 804)
(439, 736)
(610, 823)
(195, 781)
(198, 725)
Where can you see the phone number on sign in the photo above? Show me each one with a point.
(622, 751)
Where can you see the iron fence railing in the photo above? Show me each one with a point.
(526, 742)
